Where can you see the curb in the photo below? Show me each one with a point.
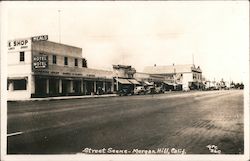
(64, 98)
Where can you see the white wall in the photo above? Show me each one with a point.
(17, 69)
(187, 77)
(18, 95)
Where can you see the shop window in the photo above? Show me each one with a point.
(54, 59)
(21, 56)
(65, 60)
(19, 84)
(76, 62)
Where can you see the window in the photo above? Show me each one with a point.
(65, 60)
(76, 62)
(84, 63)
(21, 56)
(54, 59)
(19, 84)
(194, 76)
(8, 84)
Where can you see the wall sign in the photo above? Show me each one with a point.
(40, 61)
(19, 45)
(40, 38)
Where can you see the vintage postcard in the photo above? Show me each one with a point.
(125, 80)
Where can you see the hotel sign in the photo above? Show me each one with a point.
(40, 61)
(40, 38)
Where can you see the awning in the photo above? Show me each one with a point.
(169, 83)
(18, 78)
(123, 81)
(133, 81)
(149, 84)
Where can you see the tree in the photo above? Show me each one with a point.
(232, 84)
(241, 85)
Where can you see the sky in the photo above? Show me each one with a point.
(145, 33)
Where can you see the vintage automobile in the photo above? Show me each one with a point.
(139, 90)
(125, 92)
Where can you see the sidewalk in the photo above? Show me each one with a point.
(67, 97)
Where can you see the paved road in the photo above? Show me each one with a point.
(189, 121)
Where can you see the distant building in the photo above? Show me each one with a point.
(124, 77)
(41, 68)
(186, 76)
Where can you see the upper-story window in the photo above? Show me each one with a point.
(194, 76)
(65, 60)
(84, 63)
(54, 59)
(22, 58)
(76, 62)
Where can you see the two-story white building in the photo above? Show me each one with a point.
(41, 68)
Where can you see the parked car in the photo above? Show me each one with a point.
(159, 90)
(186, 89)
(125, 92)
(139, 90)
(150, 90)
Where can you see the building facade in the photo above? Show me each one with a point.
(124, 77)
(180, 76)
(41, 68)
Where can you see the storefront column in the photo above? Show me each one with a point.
(85, 88)
(32, 84)
(95, 86)
(71, 87)
(47, 86)
(60, 85)
(81, 86)
(11, 86)
(112, 86)
(104, 86)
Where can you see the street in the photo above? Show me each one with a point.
(191, 121)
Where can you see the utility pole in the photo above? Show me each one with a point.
(193, 58)
(174, 76)
(59, 24)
